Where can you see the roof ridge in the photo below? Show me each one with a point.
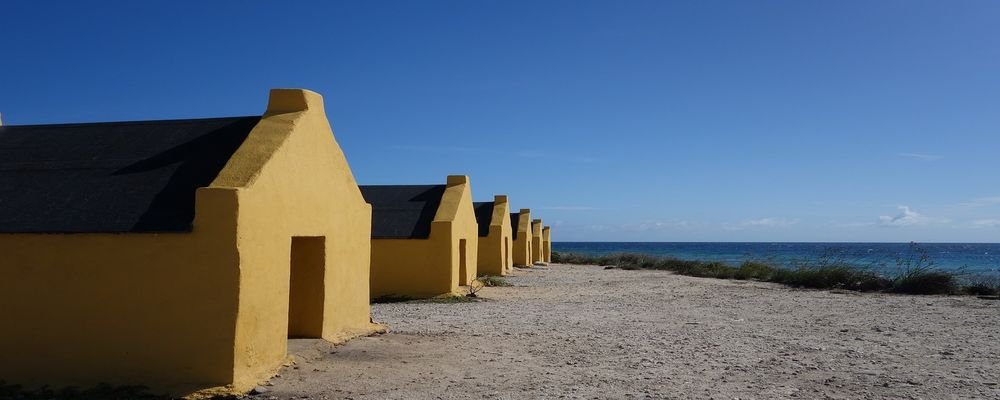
(400, 186)
(129, 123)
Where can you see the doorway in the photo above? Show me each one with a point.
(463, 268)
(506, 254)
(306, 293)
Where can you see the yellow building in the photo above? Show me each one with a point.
(179, 255)
(536, 241)
(521, 234)
(495, 242)
(424, 238)
(547, 244)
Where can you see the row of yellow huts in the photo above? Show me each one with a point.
(182, 254)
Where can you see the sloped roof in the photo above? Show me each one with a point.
(402, 211)
(484, 216)
(114, 177)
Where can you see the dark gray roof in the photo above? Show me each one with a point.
(484, 216)
(402, 211)
(514, 218)
(111, 177)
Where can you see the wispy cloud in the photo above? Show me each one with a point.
(761, 223)
(986, 223)
(649, 227)
(908, 217)
(982, 202)
(662, 226)
(601, 228)
(771, 222)
(853, 224)
(920, 156)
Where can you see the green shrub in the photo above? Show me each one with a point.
(832, 277)
(574, 258)
(925, 282)
(494, 281)
(982, 285)
(754, 270)
(980, 290)
(831, 271)
(919, 276)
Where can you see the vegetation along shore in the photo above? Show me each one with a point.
(915, 274)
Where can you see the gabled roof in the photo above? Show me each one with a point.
(484, 216)
(402, 211)
(114, 177)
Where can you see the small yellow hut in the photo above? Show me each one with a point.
(547, 244)
(536, 241)
(521, 235)
(179, 255)
(495, 243)
(424, 238)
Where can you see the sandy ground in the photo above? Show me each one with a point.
(584, 332)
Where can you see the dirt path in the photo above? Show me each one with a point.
(583, 332)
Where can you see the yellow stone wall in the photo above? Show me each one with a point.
(151, 309)
(495, 250)
(294, 181)
(181, 312)
(547, 244)
(522, 245)
(421, 268)
(536, 241)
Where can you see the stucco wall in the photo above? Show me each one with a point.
(421, 268)
(417, 268)
(522, 245)
(188, 311)
(152, 309)
(536, 241)
(547, 244)
(495, 250)
(302, 186)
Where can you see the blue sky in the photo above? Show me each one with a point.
(633, 121)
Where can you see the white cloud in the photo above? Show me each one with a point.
(649, 226)
(761, 223)
(771, 222)
(920, 156)
(906, 217)
(601, 228)
(986, 223)
(853, 224)
(661, 226)
(982, 202)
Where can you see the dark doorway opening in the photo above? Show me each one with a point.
(463, 268)
(306, 293)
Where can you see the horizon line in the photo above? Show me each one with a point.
(797, 242)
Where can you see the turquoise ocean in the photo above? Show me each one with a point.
(977, 258)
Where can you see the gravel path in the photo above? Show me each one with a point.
(580, 332)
